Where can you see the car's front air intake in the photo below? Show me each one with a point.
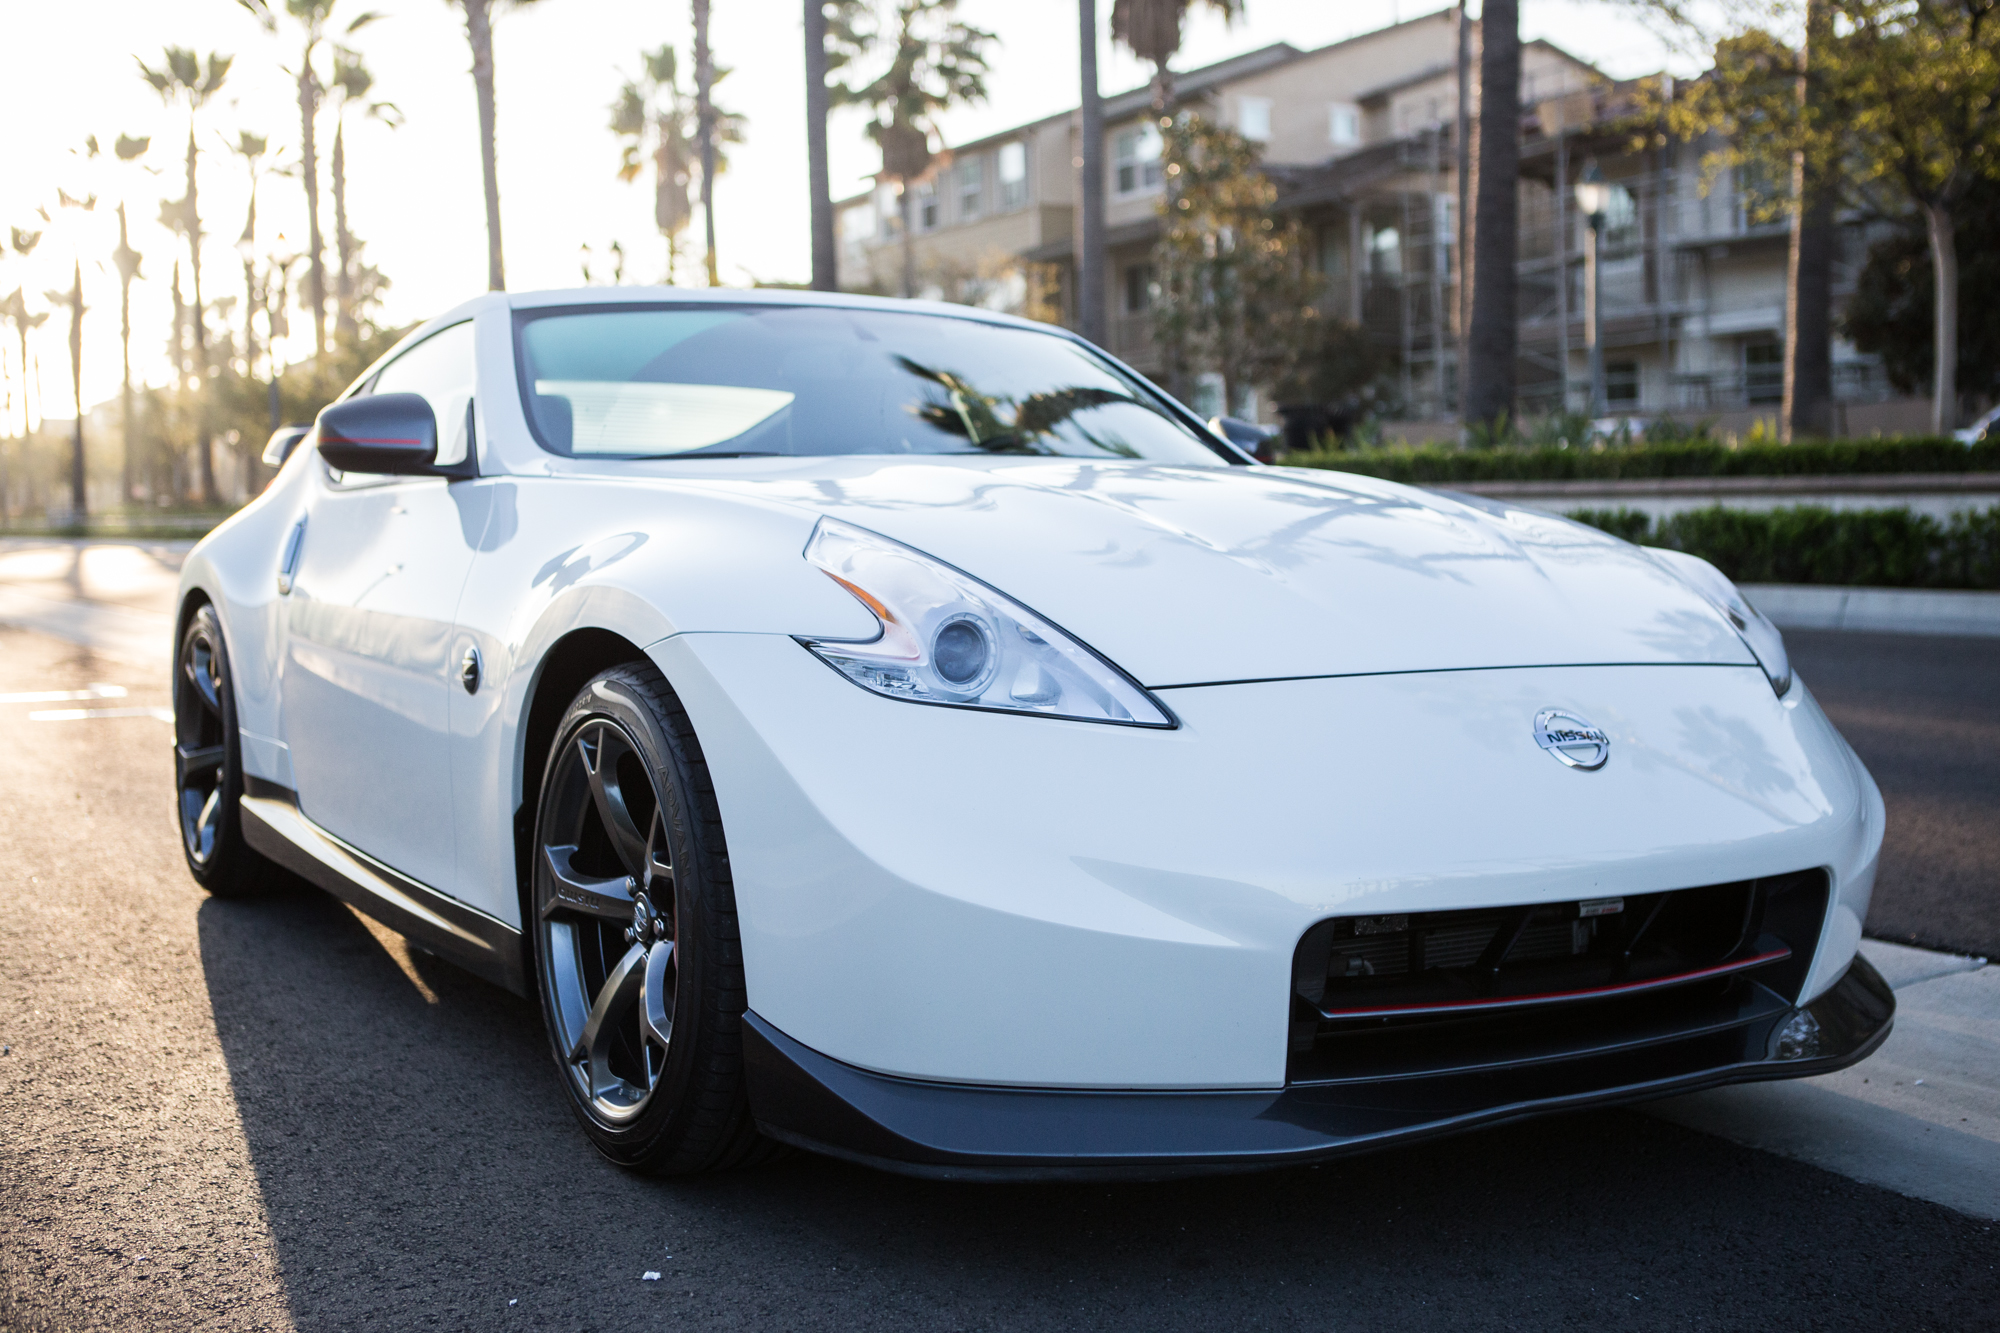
(1520, 977)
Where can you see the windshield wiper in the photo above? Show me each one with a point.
(703, 453)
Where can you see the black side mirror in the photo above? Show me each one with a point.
(381, 432)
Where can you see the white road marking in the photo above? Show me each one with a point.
(61, 696)
(79, 714)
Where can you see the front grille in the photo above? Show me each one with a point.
(1518, 977)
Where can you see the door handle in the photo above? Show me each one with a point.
(468, 671)
(288, 567)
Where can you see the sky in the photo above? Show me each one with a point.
(414, 190)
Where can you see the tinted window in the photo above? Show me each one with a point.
(733, 380)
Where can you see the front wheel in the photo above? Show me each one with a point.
(208, 763)
(638, 963)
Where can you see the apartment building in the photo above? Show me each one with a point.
(1360, 138)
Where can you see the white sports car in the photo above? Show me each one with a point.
(904, 732)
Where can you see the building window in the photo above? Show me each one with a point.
(1621, 383)
(1343, 126)
(1764, 372)
(927, 206)
(1013, 165)
(1139, 288)
(1137, 153)
(971, 176)
(1385, 253)
(1333, 252)
(1253, 118)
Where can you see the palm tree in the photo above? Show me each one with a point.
(129, 148)
(182, 79)
(479, 16)
(833, 40)
(656, 117)
(1090, 184)
(351, 83)
(1488, 397)
(251, 148)
(1151, 30)
(312, 18)
(939, 63)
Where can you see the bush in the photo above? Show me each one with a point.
(1696, 457)
(1879, 548)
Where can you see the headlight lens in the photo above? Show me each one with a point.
(947, 638)
(1762, 637)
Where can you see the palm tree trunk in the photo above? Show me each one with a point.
(77, 496)
(1944, 269)
(1090, 256)
(1489, 390)
(200, 329)
(1808, 404)
(825, 259)
(126, 268)
(309, 175)
(344, 322)
(704, 110)
(479, 32)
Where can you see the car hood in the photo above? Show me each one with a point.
(1187, 575)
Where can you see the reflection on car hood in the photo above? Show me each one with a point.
(1185, 575)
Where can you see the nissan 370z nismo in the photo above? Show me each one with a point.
(903, 732)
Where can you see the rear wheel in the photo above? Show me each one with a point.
(637, 958)
(208, 763)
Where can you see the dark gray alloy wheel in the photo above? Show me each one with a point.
(638, 963)
(208, 763)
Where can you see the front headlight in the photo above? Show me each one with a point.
(949, 639)
(1762, 637)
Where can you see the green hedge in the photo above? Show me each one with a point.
(1881, 548)
(1443, 464)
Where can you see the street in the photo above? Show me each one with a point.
(272, 1113)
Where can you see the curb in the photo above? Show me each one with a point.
(1880, 610)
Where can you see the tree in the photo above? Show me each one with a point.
(657, 117)
(1776, 114)
(1923, 80)
(1090, 261)
(312, 18)
(479, 16)
(832, 42)
(182, 79)
(1151, 30)
(1892, 313)
(1236, 291)
(1487, 400)
(128, 148)
(938, 62)
(351, 85)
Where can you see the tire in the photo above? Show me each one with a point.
(208, 764)
(637, 960)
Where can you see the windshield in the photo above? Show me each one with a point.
(741, 381)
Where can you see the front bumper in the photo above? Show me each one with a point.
(956, 1131)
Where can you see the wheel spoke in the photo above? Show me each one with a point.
(658, 881)
(615, 1000)
(601, 752)
(205, 822)
(199, 759)
(656, 1000)
(201, 673)
(587, 895)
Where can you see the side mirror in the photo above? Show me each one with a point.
(394, 433)
(283, 440)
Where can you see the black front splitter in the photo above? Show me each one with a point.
(960, 1132)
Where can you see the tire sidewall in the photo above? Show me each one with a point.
(227, 865)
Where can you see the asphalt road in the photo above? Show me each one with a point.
(271, 1114)
(1924, 715)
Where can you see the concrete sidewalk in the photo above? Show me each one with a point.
(1921, 1116)
(1882, 610)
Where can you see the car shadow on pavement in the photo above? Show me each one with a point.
(419, 1165)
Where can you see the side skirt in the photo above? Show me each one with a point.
(484, 946)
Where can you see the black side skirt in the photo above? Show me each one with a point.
(484, 946)
(954, 1131)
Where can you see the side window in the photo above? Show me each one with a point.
(440, 369)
